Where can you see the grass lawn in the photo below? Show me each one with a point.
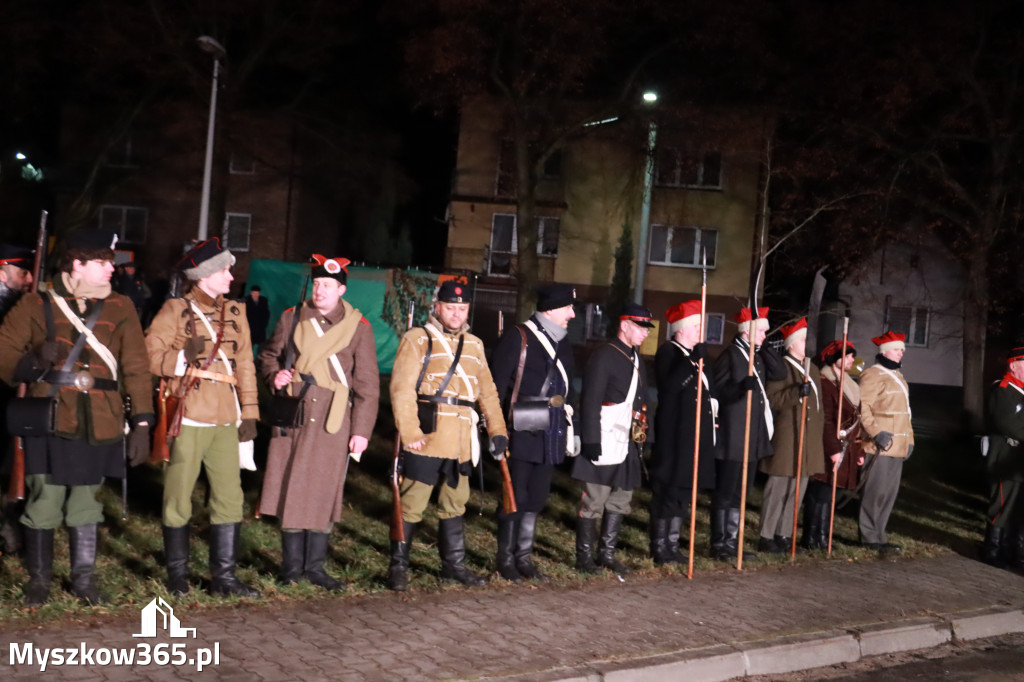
(940, 510)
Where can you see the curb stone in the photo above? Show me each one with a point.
(790, 653)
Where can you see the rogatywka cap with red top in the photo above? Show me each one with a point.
(890, 341)
(745, 317)
(681, 315)
(791, 333)
(335, 268)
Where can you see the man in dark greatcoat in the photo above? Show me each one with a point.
(545, 381)
(1004, 466)
(732, 385)
(676, 373)
(613, 418)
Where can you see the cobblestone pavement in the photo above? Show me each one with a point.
(526, 632)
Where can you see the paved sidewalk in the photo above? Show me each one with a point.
(712, 627)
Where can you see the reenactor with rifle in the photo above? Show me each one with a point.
(323, 358)
(80, 347)
(533, 371)
(613, 418)
(1004, 466)
(439, 382)
(201, 344)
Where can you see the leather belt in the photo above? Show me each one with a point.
(212, 376)
(446, 400)
(83, 380)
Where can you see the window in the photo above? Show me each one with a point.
(909, 320)
(676, 168)
(242, 164)
(129, 222)
(236, 231)
(714, 329)
(677, 245)
(124, 153)
(590, 323)
(504, 240)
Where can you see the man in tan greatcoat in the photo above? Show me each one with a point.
(786, 399)
(885, 419)
(335, 373)
(439, 381)
(202, 340)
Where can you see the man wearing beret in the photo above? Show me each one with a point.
(1004, 466)
(81, 345)
(787, 396)
(613, 417)
(439, 382)
(677, 376)
(732, 384)
(885, 418)
(843, 453)
(324, 354)
(15, 279)
(201, 344)
(534, 361)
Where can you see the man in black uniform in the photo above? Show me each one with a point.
(1005, 466)
(732, 385)
(613, 417)
(534, 361)
(675, 423)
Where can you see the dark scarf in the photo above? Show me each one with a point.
(887, 363)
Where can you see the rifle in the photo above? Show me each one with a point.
(397, 525)
(161, 451)
(508, 497)
(16, 487)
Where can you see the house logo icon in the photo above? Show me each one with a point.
(170, 622)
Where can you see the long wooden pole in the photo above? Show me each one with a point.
(397, 531)
(839, 434)
(800, 456)
(751, 336)
(696, 424)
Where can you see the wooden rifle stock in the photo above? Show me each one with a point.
(397, 522)
(508, 496)
(16, 487)
(161, 451)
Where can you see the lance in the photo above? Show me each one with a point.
(840, 435)
(751, 336)
(696, 423)
(800, 454)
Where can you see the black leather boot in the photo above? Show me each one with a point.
(82, 546)
(812, 527)
(784, 543)
(293, 556)
(1018, 554)
(732, 535)
(675, 532)
(398, 579)
(665, 540)
(176, 542)
(316, 555)
(993, 551)
(611, 524)
(451, 544)
(508, 536)
(524, 547)
(38, 558)
(586, 537)
(719, 550)
(223, 549)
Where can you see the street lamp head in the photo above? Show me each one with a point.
(20, 157)
(650, 97)
(211, 46)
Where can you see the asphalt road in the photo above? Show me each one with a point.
(1000, 659)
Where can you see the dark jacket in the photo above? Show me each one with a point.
(533, 446)
(1004, 414)
(727, 375)
(675, 421)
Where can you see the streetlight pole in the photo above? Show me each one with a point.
(645, 205)
(210, 46)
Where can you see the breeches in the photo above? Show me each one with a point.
(50, 505)
(598, 498)
(216, 449)
(531, 482)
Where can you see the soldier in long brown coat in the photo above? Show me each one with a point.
(335, 372)
(439, 382)
(843, 454)
(786, 398)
